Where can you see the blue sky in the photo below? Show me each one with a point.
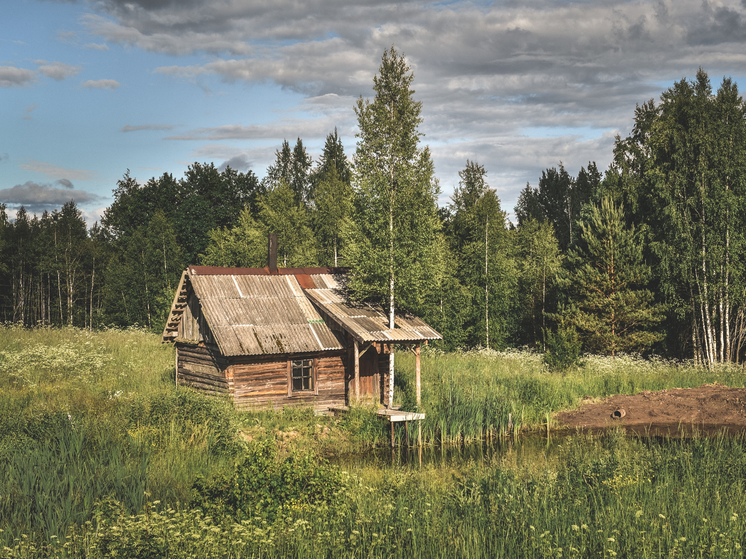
(91, 88)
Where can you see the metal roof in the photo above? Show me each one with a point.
(252, 312)
(366, 322)
(261, 314)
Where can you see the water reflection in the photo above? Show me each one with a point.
(510, 452)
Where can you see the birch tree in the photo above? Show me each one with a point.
(392, 244)
(697, 173)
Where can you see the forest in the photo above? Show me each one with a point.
(646, 257)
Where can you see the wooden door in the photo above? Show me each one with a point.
(369, 376)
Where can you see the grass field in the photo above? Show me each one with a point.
(101, 456)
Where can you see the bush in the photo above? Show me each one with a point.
(263, 485)
(563, 349)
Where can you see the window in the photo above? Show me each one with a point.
(302, 375)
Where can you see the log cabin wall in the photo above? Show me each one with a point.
(265, 382)
(201, 368)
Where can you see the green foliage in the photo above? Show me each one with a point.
(391, 242)
(87, 416)
(682, 176)
(583, 497)
(333, 198)
(606, 284)
(142, 276)
(563, 349)
(243, 245)
(264, 485)
(281, 213)
(539, 262)
(292, 168)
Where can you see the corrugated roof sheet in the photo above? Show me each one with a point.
(367, 323)
(252, 314)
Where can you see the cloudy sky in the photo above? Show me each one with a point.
(92, 88)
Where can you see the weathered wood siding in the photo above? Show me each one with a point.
(265, 382)
(201, 368)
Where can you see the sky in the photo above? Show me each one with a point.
(90, 89)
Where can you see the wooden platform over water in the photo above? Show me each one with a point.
(395, 416)
(389, 414)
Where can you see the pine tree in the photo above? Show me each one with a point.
(609, 303)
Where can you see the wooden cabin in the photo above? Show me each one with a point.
(281, 337)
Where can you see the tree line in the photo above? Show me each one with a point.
(646, 257)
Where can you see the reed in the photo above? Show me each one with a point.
(610, 496)
(89, 416)
(468, 396)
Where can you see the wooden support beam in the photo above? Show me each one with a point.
(370, 345)
(356, 359)
(417, 383)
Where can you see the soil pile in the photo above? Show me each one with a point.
(707, 409)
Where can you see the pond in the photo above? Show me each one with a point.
(515, 452)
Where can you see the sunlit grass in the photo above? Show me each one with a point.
(99, 451)
(474, 395)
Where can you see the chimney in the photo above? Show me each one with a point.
(272, 256)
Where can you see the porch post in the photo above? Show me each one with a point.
(417, 383)
(391, 376)
(357, 369)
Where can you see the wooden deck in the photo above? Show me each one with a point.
(392, 416)
(396, 416)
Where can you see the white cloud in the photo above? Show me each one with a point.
(278, 130)
(58, 71)
(128, 128)
(10, 76)
(35, 195)
(101, 84)
(486, 75)
(57, 172)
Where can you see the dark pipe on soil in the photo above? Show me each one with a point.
(618, 414)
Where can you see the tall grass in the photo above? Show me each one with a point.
(86, 416)
(99, 452)
(474, 395)
(603, 497)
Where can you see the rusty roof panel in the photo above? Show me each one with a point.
(251, 312)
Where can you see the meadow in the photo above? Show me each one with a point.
(101, 456)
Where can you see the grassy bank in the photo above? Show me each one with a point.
(100, 455)
(471, 395)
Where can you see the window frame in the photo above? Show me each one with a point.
(314, 388)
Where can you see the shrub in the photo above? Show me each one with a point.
(563, 349)
(263, 485)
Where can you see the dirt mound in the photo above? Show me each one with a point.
(707, 409)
